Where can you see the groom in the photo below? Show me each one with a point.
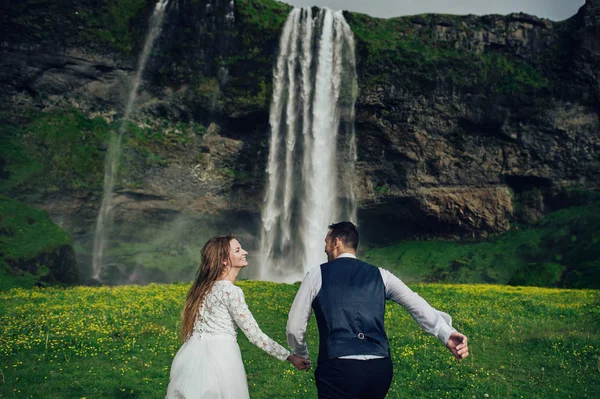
(348, 297)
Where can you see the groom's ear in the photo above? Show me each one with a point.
(337, 242)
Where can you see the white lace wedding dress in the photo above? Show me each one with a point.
(209, 363)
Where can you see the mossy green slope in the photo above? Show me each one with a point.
(52, 151)
(560, 250)
(32, 247)
(42, 153)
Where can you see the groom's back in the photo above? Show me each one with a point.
(349, 309)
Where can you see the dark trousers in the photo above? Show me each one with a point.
(349, 378)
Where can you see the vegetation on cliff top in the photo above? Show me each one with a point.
(390, 51)
(103, 25)
(257, 42)
(265, 15)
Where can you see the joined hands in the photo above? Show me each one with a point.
(299, 362)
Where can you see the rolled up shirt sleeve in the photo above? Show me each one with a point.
(298, 317)
(431, 320)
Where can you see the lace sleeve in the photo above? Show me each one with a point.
(236, 304)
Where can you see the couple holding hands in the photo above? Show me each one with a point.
(348, 298)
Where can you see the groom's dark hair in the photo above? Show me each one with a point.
(346, 232)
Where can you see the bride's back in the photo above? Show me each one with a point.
(214, 317)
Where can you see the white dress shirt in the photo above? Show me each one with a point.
(431, 320)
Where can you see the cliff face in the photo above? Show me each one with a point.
(463, 123)
(466, 138)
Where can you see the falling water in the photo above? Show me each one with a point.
(230, 16)
(218, 26)
(111, 162)
(312, 150)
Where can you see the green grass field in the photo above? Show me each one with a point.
(118, 342)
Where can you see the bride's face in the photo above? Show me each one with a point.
(237, 255)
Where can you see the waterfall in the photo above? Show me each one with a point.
(111, 162)
(312, 151)
(230, 16)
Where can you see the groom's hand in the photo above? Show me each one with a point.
(299, 362)
(457, 343)
(306, 364)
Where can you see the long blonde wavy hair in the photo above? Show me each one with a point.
(215, 256)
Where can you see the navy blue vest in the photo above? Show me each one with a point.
(349, 310)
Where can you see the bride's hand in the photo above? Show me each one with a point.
(299, 362)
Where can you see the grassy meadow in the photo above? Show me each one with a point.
(118, 342)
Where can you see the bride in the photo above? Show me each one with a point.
(209, 363)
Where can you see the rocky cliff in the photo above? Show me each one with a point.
(464, 123)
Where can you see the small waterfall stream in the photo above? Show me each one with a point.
(111, 162)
